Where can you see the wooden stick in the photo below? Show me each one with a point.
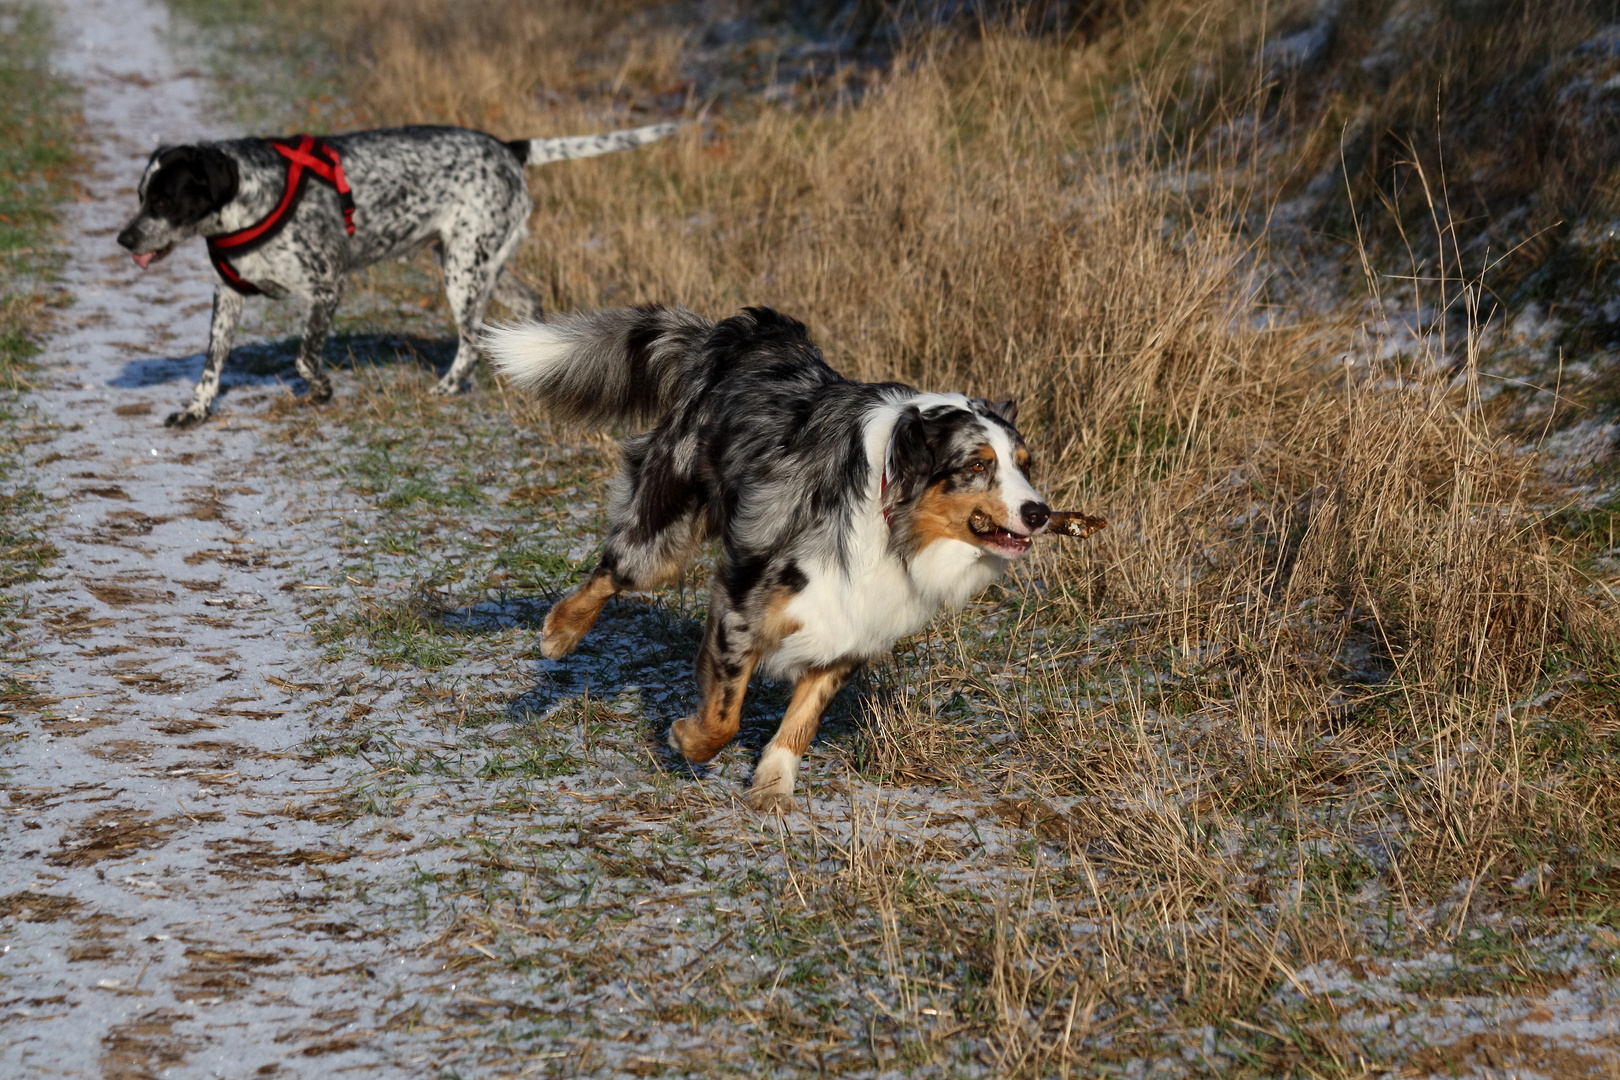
(1074, 523)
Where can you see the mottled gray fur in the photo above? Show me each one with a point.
(461, 191)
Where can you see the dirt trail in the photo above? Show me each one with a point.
(157, 883)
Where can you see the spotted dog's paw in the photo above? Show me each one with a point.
(320, 390)
(446, 387)
(185, 418)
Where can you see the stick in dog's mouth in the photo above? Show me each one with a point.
(999, 540)
(1074, 523)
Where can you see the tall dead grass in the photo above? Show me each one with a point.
(1325, 606)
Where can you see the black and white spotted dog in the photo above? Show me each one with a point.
(292, 217)
(847, 513)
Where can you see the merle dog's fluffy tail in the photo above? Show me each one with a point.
(617, 364)
(541, 151)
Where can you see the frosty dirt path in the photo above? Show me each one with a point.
(149, 867)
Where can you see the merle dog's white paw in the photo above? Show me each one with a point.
(772, 800)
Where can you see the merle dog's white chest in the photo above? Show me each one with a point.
(860, 612)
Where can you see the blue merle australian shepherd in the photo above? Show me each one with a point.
(847, 513)
(292, 217)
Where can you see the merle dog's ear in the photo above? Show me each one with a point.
(911, 458)
(1007, 410)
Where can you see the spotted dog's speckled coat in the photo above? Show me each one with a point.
(460, 190)
(847, 513)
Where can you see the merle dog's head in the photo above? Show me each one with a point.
(961, 472)
(182, 189)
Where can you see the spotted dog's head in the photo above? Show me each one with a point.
(961, 472)
(183, 186)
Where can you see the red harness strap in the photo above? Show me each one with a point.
(306, 156)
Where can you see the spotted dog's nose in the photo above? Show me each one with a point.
(1034, 514)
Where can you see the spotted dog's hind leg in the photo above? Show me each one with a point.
(778, 766)
(730, 652)
(521, 300)
(227, 311)
(321, 308)
(472, 265)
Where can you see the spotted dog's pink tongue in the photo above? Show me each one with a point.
(143, 260)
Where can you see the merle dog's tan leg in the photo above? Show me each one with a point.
(724, 667)
(778, 766)
(572, 617)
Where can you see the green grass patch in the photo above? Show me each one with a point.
(36, 159)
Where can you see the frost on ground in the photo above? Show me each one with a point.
(290, 792)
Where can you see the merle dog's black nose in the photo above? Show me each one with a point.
(1034, 514)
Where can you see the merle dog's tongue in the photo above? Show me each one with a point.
(142, 260)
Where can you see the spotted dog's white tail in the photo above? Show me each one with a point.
(617, 364)
(543, 151)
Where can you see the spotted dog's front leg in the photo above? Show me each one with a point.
(778, 767)
(322, 306)
(227, 312)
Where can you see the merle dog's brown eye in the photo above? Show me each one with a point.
(977, 466)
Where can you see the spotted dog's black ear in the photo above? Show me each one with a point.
(220, 174)
(211, 176)
(911, 458)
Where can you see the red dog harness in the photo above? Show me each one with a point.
(306, 156)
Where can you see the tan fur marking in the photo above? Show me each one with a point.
(572, 617)
(777, 625)
(810, 697)
(945, 517)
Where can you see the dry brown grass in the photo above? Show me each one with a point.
(1326, 617)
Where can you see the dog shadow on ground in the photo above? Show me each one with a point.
(271, 363)
(639, 660)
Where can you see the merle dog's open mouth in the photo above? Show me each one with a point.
(148, 258)
(997, 539)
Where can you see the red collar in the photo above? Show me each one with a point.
(307, 156)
